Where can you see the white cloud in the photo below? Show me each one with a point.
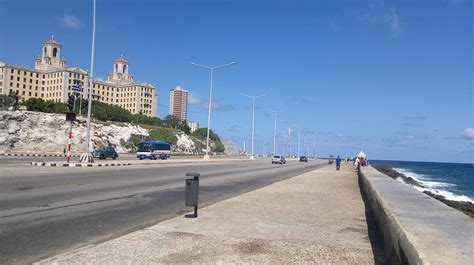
(216, 106)
(394, 23)
(194, 98)
(70, 21)
(469, 133)
(380, 15)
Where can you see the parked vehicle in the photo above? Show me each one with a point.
(278, 160)
(154, 150)
(303, 159)
(105, 152)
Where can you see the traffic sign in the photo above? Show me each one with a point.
(76, 88)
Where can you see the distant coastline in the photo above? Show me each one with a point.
(465, 207)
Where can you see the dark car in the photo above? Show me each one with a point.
(104, 153)
(303, 159)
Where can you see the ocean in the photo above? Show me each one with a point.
(452, 180)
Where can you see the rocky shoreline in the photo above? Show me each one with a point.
(465, 207)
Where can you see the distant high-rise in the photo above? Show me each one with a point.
(179, 103)
(193, 126)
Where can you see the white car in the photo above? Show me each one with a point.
(278, 160)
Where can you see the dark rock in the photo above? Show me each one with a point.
(465, 207)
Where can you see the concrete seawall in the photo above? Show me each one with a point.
(416, 228)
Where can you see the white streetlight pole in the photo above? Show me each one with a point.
(87, 156)
(210, 101)
(275, 113)
(253, 117)
(297, 124)
(289, 141)
(299, 136)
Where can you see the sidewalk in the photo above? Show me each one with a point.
(315, 217)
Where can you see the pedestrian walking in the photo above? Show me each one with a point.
(338, 163)
(357, 164)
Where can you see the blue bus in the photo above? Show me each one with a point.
(154, 150)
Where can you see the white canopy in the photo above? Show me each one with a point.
(362, 154)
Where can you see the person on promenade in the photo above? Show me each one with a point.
(357, 164)
(338, 163)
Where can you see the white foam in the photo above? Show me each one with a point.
(436, 184)
(415, 176)
(432, 186)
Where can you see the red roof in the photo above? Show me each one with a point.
(52, 41)
(121, 59)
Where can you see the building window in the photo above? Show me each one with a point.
(45, 51)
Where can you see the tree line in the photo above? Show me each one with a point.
(106, 112)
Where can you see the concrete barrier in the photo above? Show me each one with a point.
(416, 228)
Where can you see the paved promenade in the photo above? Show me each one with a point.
(315, 217)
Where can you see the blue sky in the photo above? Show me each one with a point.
(394, 78)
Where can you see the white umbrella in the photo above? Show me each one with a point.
(362, 154)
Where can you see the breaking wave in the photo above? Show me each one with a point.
(435, 187)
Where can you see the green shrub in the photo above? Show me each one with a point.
(163, 134)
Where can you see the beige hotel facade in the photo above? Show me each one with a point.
(50, 79)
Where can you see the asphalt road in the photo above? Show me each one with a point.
(23, 160)
(46, 210)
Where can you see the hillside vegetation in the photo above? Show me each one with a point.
(159, 129)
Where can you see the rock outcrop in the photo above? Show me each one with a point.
(47, 132)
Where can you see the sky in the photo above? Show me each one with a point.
(392, 78)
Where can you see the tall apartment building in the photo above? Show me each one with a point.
(52, 80)
(179, 103)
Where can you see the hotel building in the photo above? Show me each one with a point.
(179, 103)
(52, 80)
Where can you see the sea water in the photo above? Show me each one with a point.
(452, 180)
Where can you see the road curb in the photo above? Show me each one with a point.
(53, 164)
(40, 155)
(60, 164)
